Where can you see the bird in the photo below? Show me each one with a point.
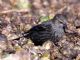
(51, 30)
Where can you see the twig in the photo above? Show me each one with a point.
(14, 10)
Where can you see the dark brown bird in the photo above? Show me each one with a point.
(52, 30)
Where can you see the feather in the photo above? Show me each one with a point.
(51, 30)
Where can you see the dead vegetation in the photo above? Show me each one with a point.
(15, 18)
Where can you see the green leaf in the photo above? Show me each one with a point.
(44, 18)
(22, 4)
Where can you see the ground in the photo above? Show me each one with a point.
(18, 16)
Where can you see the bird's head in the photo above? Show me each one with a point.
(61, 18)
